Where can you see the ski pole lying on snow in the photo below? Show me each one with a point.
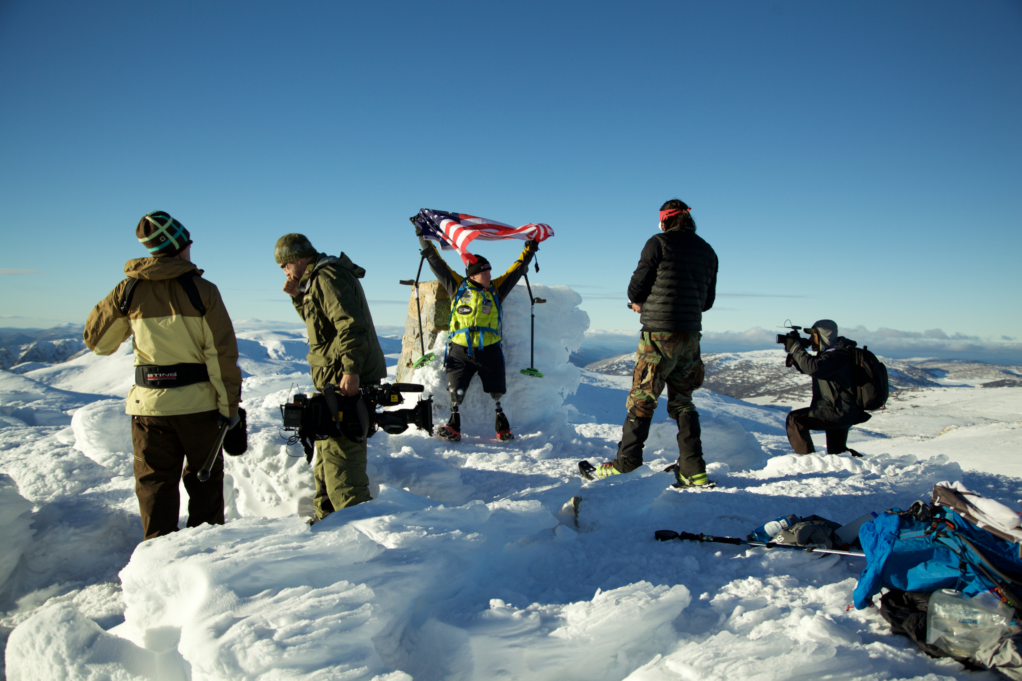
(203, 475)
(667, 535)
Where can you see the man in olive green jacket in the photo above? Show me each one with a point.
(187, 380)
(343, 352)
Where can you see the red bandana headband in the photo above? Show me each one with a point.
(664, 214)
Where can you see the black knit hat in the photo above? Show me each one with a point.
(480, 265)
(162, 235)
(291, 247)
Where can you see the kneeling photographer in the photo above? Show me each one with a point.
(834, 408)
(344, 355)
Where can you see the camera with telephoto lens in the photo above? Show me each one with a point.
(397, 421)
(328, 414)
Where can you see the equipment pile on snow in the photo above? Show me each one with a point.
(953, 570)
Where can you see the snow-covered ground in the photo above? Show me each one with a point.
(466, 565)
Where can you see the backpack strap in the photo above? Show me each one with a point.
(129, 291)
(187, 281)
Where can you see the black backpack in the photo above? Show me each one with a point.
(869, 380)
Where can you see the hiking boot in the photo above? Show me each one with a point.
(699, 480)
(854, 453)
(452, 431)
(502, 427)
(633, 436)
(591, 472)
(690, 446)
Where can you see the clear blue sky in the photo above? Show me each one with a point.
(854, 160)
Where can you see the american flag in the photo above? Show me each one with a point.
(459, 230)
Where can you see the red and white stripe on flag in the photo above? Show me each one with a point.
(462, 232)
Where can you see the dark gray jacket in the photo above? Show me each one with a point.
(831, 371)
(675, 281)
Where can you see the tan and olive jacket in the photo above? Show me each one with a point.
(167, 330)
(342, 337)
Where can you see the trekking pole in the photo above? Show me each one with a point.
(203, 475)
(667, 535)
(531, 371)
(424, 359)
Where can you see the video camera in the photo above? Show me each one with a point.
(782, 338)
(329, 414)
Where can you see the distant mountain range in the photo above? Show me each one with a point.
(761, 373)
(30, 348)
(23, 350)
(742, 375)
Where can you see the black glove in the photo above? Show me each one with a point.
(533, 244)
(418, 229)
(791, 342)
(230, 421)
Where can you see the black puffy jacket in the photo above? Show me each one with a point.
(831, 371)
(675, 282)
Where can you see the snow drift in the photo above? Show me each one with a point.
(465, 565)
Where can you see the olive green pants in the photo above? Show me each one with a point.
(340, 474)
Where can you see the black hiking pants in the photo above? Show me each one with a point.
(488, 362)
(798, 425)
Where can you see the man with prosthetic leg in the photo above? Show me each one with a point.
(474, 335)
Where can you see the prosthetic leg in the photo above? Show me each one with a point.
(452, 431)
(501, 424)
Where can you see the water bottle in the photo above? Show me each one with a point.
(769, 530)
(961, 625)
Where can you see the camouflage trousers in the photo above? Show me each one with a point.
(666, 359)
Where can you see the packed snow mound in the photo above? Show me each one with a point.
(102, 432)
(469, 562)
(25, 401)
(15, 528)
(110, 376)
(559, 331)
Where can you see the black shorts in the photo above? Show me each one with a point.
(488, 362)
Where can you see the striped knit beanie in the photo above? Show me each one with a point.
(162, 235)
(291, 247)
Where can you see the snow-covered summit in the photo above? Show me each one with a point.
(466, 565)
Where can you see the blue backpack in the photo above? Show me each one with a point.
(939, 546)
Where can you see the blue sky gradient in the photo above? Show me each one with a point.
(857, 161)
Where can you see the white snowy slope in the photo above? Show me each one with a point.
(465, 565)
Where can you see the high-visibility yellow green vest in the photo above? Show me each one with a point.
(475, 317)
